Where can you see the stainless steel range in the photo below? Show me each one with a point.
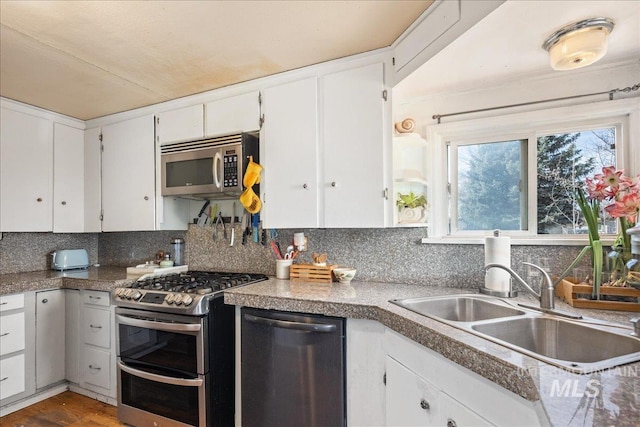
(175, 344)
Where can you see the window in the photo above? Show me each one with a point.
(518, 173)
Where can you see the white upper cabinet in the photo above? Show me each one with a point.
(353, 149)
(128, 175)
(25, 172)
(240, 113)
(289, 146)
(68, 179)
(92, 181)
(182, 124)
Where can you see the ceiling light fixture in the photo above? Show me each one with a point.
(579, 44)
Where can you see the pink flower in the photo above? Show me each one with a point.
(597, 189)
(611, 176)
(626, 206)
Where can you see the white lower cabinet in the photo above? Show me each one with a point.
(12, 376)
(50, 337)
(97, 369)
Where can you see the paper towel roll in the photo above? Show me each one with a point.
(497, 250)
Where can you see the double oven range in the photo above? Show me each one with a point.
(175, 344)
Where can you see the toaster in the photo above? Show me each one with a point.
(69, 259)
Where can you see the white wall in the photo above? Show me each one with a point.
(525, 89)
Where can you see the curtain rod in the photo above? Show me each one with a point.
(610, 92)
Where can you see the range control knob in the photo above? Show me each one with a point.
(136, 295)
(178, 299)
(169, 299)
(118, 291)
(187, 300)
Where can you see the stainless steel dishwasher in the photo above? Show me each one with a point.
(293, 369)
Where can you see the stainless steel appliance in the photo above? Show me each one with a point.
(297, 378)
(175, 346)
(209, 168)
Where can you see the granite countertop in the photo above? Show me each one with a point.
(95, 278)
(609, 397)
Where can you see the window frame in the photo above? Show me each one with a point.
(624, 114)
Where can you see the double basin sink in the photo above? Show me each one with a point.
(577, 346)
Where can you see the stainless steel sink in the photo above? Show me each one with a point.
(458, 309)
(569, 344)
(575, 345)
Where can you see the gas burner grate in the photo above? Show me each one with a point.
(198, 282)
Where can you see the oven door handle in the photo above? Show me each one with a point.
(160, 378)
(163, 326)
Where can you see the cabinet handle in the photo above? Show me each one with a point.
(451, 423)
(424, 405)
(97, 368)
(64, 203)
(4, 335)
(39, 199)
(4, 303)
(385, 194)
(333, 183)
(44, 301)
(95, 327)
(305, 186)
(92, 297)
(146, 197)
(5, 378)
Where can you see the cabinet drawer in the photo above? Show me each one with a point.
(11, 302)
(96, 298)
(11, 376)
(97, 326)
(97, 370)
(12, 333)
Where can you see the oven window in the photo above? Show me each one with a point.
(175, 402)
(190, 172)
(162, 352)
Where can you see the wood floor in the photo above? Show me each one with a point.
(65, 409)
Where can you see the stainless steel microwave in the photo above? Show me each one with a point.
(208, 168)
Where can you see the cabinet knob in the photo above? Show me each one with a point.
(95, 327)
(97, 368)
(333, 183)
(39, 199)
(44, 301)
(305, 186)
(424, 405)
(64, 203)
(451, 423)
(4, 379)
(4, 335)
(146, 197)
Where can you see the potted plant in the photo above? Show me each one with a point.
(412, 207)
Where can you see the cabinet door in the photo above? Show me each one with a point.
(68, 179)
(289, 153)
(354, 178)
(50, 337)
(97, 369)
(12, 373)
(12, 333)
(182, 124)
(25, 172)
(456, 414)
(411, 400)
(92, 181)
(239, 113)
(72, 335)
(128, 175)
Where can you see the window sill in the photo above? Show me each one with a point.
(518, 241)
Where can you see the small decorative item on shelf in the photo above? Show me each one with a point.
(412, 208)
(622, 195)
(405, 126)
(319, 260)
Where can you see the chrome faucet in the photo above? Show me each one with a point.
(546, 288)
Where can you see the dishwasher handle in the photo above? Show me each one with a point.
(286, 324)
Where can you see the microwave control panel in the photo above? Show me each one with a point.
(231, 171)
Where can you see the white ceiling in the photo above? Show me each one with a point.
(87, 59)
(506, 45)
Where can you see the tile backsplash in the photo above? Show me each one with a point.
(382, 255)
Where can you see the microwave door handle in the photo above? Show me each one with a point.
(217, 159)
